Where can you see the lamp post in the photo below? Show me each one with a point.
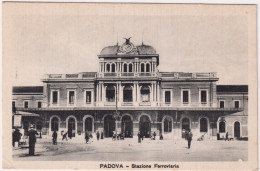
(116, 114)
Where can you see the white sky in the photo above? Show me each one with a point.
(58, 43)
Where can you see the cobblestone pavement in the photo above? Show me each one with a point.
(131, 150)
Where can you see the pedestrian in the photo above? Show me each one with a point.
(154, 135)
(86, 137)
(189, 138)
(161, 136)
(54, 138)
(65, 136)
(102, 135)
(98, 135)
(139, 137)
(142, 136)
(32, 140)
(16, 136)
(227, 137)
(114, 135)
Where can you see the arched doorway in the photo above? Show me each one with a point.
(127, 126)
(88, 125)
(71, 127)
(237, 130)
(185, 126)
(54, 124)
(145, 126)
(109, 125)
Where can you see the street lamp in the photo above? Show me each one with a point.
(116, 114)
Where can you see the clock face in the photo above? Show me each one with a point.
(128, 47)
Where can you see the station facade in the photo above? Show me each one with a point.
(128, 94)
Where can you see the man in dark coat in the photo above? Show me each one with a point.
(189, 137)
(226, 137)
(16, 136)
(139, 137)
(102, 135)
(54, 138)
(154, 135)
(32, 140)
(98, 135)
(64, 136)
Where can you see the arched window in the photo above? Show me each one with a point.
(108, 67)
(125, 67)
(128, 94)
(142, 67)
(222, 127)
(148, 67)
(145, 94)
(130, 67)
(110, 93)
(113, 68)
(237, 129)
(167, 125)
(203, 125)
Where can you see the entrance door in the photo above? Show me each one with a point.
(127, 126)
(26, 127)
(71, 127)
(109, 126)
(145, 126)
(88, 125)
(185, 126)
(237, 130)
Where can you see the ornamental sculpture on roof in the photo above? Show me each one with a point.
(127, 48)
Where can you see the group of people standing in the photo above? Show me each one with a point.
(153, 137)
(99, 135)
(32, 138)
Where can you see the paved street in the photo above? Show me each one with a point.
(130, 150)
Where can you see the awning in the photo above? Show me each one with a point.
(26, 113)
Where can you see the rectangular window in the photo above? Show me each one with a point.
(13, 104)
(203, 96)
(222, 104)
(39, 104)
(237, 104)
(88, 96)
(71, 97)
(26, 104)
(55, 97)
(167, 97)
(185, 96)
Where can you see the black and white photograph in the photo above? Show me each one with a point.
(129, 86)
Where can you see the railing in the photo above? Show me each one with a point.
(183, 75)
(130, 74)
(70, 76)
(112, 74)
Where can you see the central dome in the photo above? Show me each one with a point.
(128, 48)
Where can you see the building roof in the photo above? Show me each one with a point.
(232, 88)
(141, 50)
(28, 89)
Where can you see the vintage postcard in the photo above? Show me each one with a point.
(129, 86)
